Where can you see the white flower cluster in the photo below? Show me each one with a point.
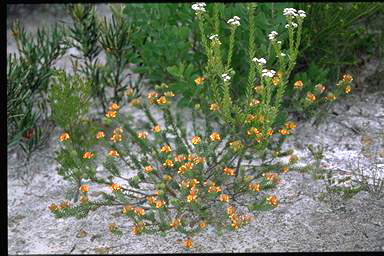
(290, 12)
(294, 25)
(302, 13)
(235, 21)
(215, 38)
(268, 73)
(225, 77)
(342, 180)
(261, 61)
(272, 35)
(198, 7)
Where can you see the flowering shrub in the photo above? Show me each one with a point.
(187, 178)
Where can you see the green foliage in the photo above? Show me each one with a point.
(28, 77)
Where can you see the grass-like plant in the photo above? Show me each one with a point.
(184, 178)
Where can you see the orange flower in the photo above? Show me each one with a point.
(199, 80)
(215, 136)
(331, 97)
(64, 204)
(168, 163)
(135, 230)
(162, 100)
(156, 128)
(202, 224)
(152, 95)
(249, 118)
(254, 187)
(127, 208)
(83, 199)
(230, 210)
(218, 189)
(116, 137)
(175, 223)
(196, 140)
(298, 85)
(272, 200)
(229, 171)
(111, 114)
(181, 169)
(88, 155)
(188, 243)
(271, 176)
(115, 187)
(53, 207)
(214, 107)
(64, 136)
(139, 211)
(142, 135)
(84, 188)
(269, 132)
(100, 134)
(195, 182)
(311, 97)
(191, 197)
(283, 131)
(165, 149)
(347, 78)
(224, 198)
(151, 199)
(285, 169)
(189, 165)
(113, 153)
(290, 125)
(160, 203)
(320, 88)
(148, 168)
(113, 107)
(348, 89)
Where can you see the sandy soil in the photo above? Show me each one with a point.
(301, 222)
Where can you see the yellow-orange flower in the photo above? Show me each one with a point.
(285, 169)
(88, 155)
(191, 197)
(53, 207)
(115, 187)
(202, 224)
(290, 125)
(64, 204)
(127, 208)
(224, 198)
(199, 80)
(113, 107)
(298, 85)
(188, 243)
(113, 153)
(148, 168)
(196, 140)
(116, 137)
(229, 171)
(230, 210)
(271, 176)
(111, 114)
(283, 131)
(215, 136)
(254, 102)
(168, 163)
(83, 199)
(169, 94)
(311, 97)
(331, 97)
(214, 107)
(162, 100)
(165, 149)
(175, 223)
(64, 136)
(348, 89)
(151, 199)
(320, 88)
(160, 203)
(84, 188)
(135, 230)
(139, 211)
(275, 80)
(156, 128)
(100, 134)
(269, 132)
(347, 78)
(272, 200)
(235, 145)
(254, 187)
(181, 169)
(142, 135)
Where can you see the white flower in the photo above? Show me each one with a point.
(235, 21)
(198, 7)
(272, 35)
(282, 54)
(212, 37)
(225, 77)
(236, 18)
(294, 25)
(279, 42)
(261, 61)
(268, 73)
(290, 12)
(302, 13)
